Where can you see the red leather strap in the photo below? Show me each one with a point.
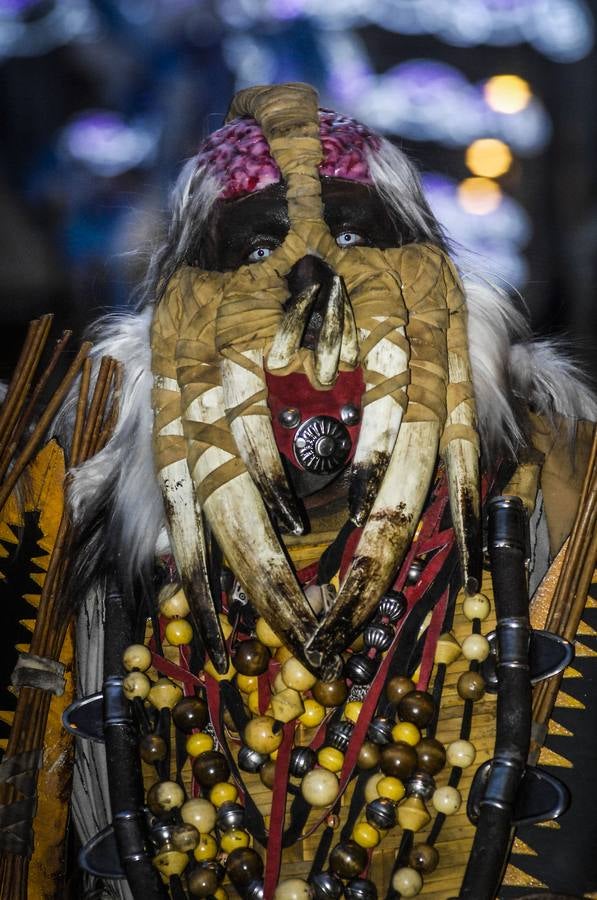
(278, 812)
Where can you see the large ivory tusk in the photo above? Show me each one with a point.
(252, 432)
(187, 540)
(329, 341)
(349, 353)
(288, 338)
(379, 428)
(239, 520)
(461, 457)
(385, 539)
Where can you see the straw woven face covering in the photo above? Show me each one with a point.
(397, 313)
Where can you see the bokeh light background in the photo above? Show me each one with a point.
(102, 100)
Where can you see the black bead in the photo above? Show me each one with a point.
(326, 886)
(302, 760)
(360, 889)
(250, 760)
(338, 735)
(254, 890)
(244, 866)
(190, 713)
(360, 668)
(380, 730)
(381, 813)
(378, 637)
(392, 606)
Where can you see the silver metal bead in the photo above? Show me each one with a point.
(230, 816)
(415, 570)
(392, 606)
(360, 668)
(360, 889)
(326, 886)
(381, 813)
(250, 760)
(378, 637)
(289, 418)
(380, 730)
(350, 414)
(302, 760)
(322, 445)
(421, 784)
(338, 735)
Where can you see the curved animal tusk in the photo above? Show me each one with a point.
(243, 383)
(385, 539)
(329, 341)
(187, 540)
(287, 340)
(239, 520)
(349, 352)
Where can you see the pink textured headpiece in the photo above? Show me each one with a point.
(238, 154)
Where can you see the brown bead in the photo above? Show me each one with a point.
(202, 882)
(210, 767)
(424, 858)
(185, 837)
(431, 755)
(243, 866)
(397, 687)
(330, 693)
(152, 748)
(190, 713)
(368, 756)
(398, 760)
(163, 796)
(417, 707)
(251, 657)
(267, 773)
(471, 686)
(348, 859)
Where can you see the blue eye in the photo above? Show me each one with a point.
(349, 239)
(258, 254)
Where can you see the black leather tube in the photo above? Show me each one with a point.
(124, 770)
(507, 544)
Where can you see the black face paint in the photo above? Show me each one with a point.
(245, 230)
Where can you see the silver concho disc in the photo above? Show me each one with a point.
(322, 445)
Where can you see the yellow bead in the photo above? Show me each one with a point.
(231, 840)
(366, 835)
(266, 634)
(253, 702)
(223, 792)
(287, 705)
(247, 683)
(371, 792)
(446, 800)
(447, 649)
(198, 743)
(170, 862)
(461, 754)
(227, 676)
(293, 889)
(164, 694)
(296, 676)
(319, 787)
(274, 755)
(260, 735)
(407, 882)
(207, 848)
(412, 814)
(476, 606)
(476, 647)
(178, 632)
(221, 893)
(391, 787)
(352, 710)
(278, 683)
(282, 654)
(330, 758)
(136, 684)
(407, 732)
(136, 658)
(200, 813)
(172, 602)
(313, 715)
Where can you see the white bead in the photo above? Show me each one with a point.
(461, 753)
(371, 792)
(476, 647)
(407, 882)
(293, 889)
(200, 813)
(477, 606)
(319, 787)
(447, 800)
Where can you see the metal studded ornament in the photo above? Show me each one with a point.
(322, 445)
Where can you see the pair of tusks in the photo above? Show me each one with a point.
(239, 518)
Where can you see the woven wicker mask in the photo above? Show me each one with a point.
(398, 313)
